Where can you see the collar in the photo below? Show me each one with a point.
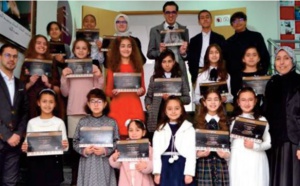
(211, 67)
(6, 77)
(168, 74)
(247, 115)
(208, 117)
(166, 25)
(206, 34)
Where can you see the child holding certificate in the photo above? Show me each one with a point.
(212, 167)
(94, 168)
(38, 49)
(248, 163)
(174, 157)
(76, 96)
(46, 170)
(134, 172)
(167, 68)
(213, 71)
(124, 57)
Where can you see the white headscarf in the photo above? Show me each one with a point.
(127, 32)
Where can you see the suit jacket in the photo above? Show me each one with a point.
(13, 118)
(154, 42)
(195, 48)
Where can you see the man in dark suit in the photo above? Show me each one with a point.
(156, 45)
(13, 116)
(236, 46)
(200, 42)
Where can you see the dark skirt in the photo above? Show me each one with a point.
(172, 173)
(45, 170)
(284, 165)
(212, 171)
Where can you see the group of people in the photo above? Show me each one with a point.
(41, 103)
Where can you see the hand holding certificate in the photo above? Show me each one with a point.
(38, 67)
(91, 35)
(133, 150)
(170, 86)
(80, 67)
(258, 83)
(173, 37)
(250, 129)
(96, 136)
(221, 86)
(44, 143)
(127, 82)
(213, 140)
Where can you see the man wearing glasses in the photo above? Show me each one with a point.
(156, 45)
(13, 116)
(237, 44)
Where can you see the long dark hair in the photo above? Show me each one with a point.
(114, 55)
(258, 65)
(200, 118)
(164, 118)
(237, 109)
(159, 71)
(31, 53)
(222, 72)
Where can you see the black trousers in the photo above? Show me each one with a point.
(9, 164)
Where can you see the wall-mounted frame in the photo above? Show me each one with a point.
(17, 20)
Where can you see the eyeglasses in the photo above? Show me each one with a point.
(238, 20)
(121, 22)
(171, 12)
(8, 56)
(94, 101)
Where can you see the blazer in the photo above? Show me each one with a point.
(194, 51)
(13, 118)
(185, 143)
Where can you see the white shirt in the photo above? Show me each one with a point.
(10, 83)
(205, 44)
(203, 77)
(168, 74)
(208, 117)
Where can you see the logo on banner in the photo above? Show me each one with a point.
(222, 20)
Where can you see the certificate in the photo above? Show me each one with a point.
(171, 86)
(91, 35)
(173, 37)
(44, 143)
(221, 86)
(80, 67)
(96, 136)
(133, 150)
(213, 139)
(258, 83)
(38, 66)
(250, 129)
(127, 82)
(106, 42)
(57, 48)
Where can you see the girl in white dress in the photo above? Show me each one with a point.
(248, 165)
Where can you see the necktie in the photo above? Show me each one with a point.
(213, 75)
(170, 27)
(212, 125)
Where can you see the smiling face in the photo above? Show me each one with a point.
(167, 64)
(135, 132)
(170, 14)
(173, 110)
(239, 24)
(212, 103)
(246, 101)
(283, 62)
(125, 48)
(47, 104)
(40, 46)
(121, 24)
(213, 56)
(81, 50)
(55, 32)
(89, 22)
(251, 57)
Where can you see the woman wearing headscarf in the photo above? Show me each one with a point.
(283, 113)
(122, 29)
